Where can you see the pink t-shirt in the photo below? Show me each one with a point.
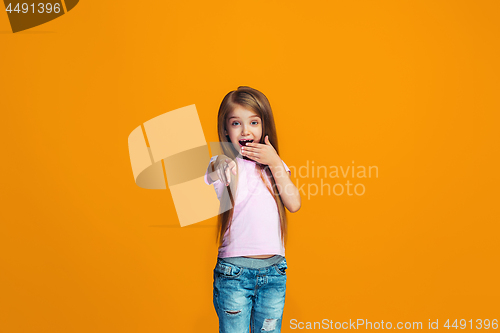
(255, 228)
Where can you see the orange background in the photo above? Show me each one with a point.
(410, 87)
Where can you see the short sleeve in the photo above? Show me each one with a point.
(286, 168)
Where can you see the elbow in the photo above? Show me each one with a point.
(295, 208)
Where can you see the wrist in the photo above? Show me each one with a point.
(276, 164)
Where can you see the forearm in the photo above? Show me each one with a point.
(221, 169)
(290, 195)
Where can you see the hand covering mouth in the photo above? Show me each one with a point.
(244, 142)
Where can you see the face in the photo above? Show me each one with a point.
(242, 126)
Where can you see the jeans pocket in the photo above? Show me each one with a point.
(227, 270)
(281, 267)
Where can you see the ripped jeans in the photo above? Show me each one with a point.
(245, 296)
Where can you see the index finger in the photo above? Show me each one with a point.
(253, 144)
(232, 166)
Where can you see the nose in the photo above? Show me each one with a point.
(244, 130)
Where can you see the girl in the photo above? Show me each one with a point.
(253, 185)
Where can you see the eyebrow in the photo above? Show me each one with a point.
(248, 117)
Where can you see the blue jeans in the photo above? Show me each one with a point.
(252, 297)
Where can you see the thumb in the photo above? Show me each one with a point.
(266, 140)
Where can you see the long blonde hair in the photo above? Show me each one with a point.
(256, 101)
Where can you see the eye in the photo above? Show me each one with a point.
(256, 122)
(235, 122)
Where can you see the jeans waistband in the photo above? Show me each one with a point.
(253, 262)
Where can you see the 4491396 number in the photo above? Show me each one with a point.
(33, 8)
(478, 324)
